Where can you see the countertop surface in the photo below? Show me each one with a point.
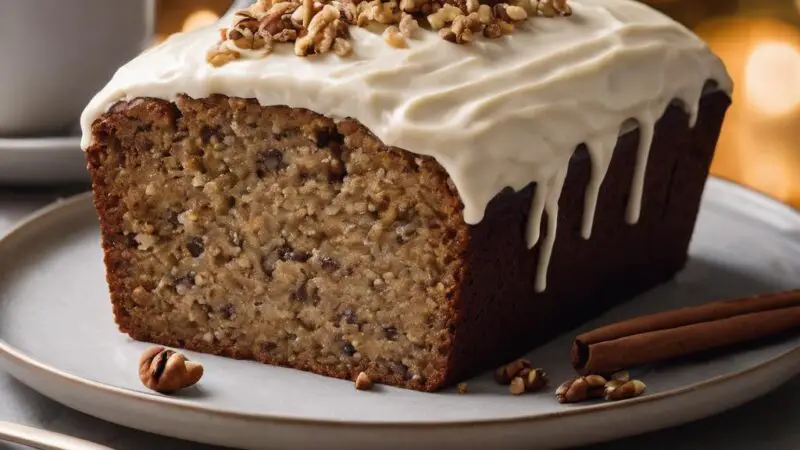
(769, 422)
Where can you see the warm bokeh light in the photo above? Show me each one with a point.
(767, 163)
(771, 81)
(760, 142)
(199, 19)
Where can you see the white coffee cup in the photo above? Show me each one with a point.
(55, 54)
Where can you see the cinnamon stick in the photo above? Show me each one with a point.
(672, 334)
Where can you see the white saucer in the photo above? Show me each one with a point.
(57, 336)
(47, 160)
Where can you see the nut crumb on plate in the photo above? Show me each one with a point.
(167, 371)
(619, 387)
(517, 386)
(363, 382)
(504, 374)
(622, 390)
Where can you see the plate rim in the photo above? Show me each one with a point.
(15, 356)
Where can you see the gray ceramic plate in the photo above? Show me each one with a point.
(57, 336)
(47, 160)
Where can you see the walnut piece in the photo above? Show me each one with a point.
(321, 33)
(167, 371)
(553, 8)
(458, 32)
(394, 37)
(528, 380)
(535, 380)
(505, 27)
(342, 47)
(516, 13)
(485, 14)
(363, 382)
(573, 391)
(621, 390)
(408, 25)
(492, 31)
(504, 374)
(581, 388)
(445, 15)
(473, 22)
(622, 376)
(218, 57)
(517, 386)
(308, 12)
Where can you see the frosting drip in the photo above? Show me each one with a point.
(495, 113)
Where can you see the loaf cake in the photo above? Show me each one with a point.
(417, 190)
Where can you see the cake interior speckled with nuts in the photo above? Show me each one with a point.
(418, 190)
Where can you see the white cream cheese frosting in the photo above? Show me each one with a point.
(495, 113)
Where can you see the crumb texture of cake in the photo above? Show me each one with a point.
(296, 190)
(278, 235)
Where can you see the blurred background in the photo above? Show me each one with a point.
(759, 40)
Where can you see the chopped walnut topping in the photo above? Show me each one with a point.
(505, 27)
(394, 37)
(408, 25)
(408, 6)
(322, 26)
(485, 14)
(278, 19)
(458, 32)
(499, 12)
(323, 19)
(218, 58)
(308, 12)
(553, 8)
(320, 33)
(473, 22)
(385, 13)
(342, 47)
(442, 17)
(492, 31)
(297, 17)
(516, 13)
(509, 13)
(349, 12)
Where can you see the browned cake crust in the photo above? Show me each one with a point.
(279, 235)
